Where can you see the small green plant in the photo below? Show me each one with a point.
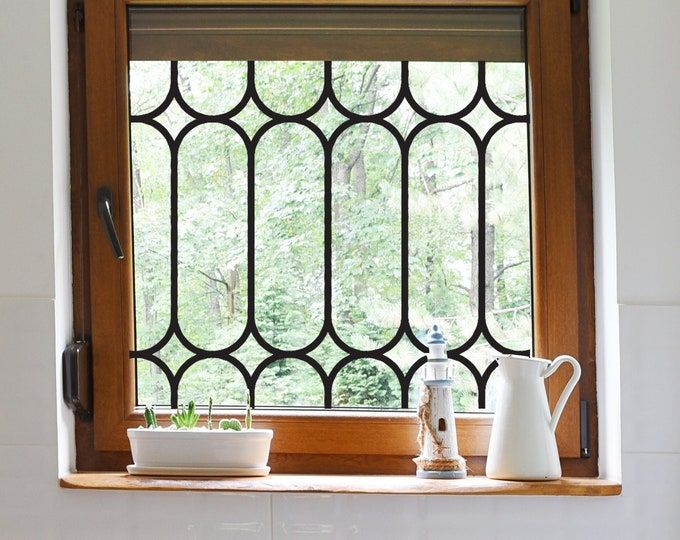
(150, 417)
(249, 413)
(231, 423)
(210, 413)
(185, 418)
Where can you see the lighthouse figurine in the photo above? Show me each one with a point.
(437, 432)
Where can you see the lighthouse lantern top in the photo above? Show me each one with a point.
(435, 336)
(436, 343)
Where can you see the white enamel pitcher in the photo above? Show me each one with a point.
(523, 445)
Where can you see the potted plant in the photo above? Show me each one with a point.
(186, 449)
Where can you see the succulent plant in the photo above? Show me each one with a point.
(185, 418)
(231, 423)
(150, 417)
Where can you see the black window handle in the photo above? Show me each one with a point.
(104, 209)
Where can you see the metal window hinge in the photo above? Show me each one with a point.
(76, 379)
(585, 433)
(79, 18)
(575, 6)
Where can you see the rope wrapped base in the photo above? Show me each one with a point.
(441, 467)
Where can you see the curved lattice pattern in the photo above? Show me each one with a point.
(402, 120)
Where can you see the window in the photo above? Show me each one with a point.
(296, 244)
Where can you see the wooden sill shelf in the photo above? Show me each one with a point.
(303, 483)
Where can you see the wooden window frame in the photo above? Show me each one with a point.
(337, 441)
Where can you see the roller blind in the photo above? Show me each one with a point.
(289, 33)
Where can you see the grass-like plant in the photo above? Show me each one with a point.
(210, 414)
(249, 412)
(150, 417)
(185, 418)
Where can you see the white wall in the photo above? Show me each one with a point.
(635, 48)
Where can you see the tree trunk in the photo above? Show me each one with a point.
(489, 270)
(358, 173)
(137, 192)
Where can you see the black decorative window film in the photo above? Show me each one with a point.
(299, 225)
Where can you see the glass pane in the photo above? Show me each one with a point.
(153, 387)
(300, 189)
(174, 119)
(443, 87)
(289, 382)
(149, 85)
(289, 87)
(213, 236)
(150, 170)
(482, 119)
(366, 87)
(443, 192)
(212, 87)
(213, 378)
(366, 236)
(506, 84)
(289, 233)
(366, 383)
(508, 245)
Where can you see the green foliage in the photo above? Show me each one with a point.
(366, 184)
(150, 417)
(185, 418)
(231, 423)
(366, 383)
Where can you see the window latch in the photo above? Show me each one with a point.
(585, 422)
(105, 211)
(76, 379)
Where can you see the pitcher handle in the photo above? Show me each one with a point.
(567, 389)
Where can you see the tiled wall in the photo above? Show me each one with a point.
(34, 311)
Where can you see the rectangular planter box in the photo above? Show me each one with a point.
(214, 449)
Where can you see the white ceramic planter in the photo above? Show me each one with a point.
(168, 451)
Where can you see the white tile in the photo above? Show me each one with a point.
(86, 514)
(646, 139)
(201, 515)
(28, 485)
(26, 229)
(90, 514)
(650, 501)
(325, 516)
(32, 505)
(28, 367)
(650, 378)
(152, 515)
(427, 517)
(309, 516)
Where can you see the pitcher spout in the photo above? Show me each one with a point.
(514, 366)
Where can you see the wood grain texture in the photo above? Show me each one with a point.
(359, 3)
(558, 318)
(333, 432)
(388, 485)
(110, 298)
(558, 71)
(584, 215)
(78, 164)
